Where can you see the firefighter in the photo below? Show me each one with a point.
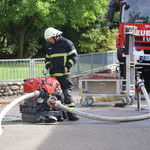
(61, 55)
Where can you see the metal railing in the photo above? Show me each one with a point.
(20, 69)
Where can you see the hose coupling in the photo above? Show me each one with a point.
(52, 101)
(140, 83)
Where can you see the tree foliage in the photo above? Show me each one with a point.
(98, 39)
(23, 23)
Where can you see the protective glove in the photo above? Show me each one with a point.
(44, 71)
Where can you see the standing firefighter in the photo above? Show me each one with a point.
(60, 57)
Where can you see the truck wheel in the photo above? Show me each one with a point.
(128, 100)
(86, 101)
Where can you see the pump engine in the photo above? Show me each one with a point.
(37, 110)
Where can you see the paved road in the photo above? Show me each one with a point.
(84, 134)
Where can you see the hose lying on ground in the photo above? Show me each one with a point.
(78, 112)
(96, 117)
(15, 102)
(144, 91)
(117, 119)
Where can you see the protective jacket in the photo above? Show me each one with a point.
(60, 57)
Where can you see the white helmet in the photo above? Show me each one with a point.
(51, 32)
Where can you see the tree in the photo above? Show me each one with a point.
(91, 26)
(98, 38)
(24, 21)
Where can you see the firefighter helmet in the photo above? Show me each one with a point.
(51, 32)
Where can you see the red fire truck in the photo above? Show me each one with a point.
(133, 13)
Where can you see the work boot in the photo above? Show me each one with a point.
(72, 117)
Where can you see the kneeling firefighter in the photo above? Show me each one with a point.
(61, 55)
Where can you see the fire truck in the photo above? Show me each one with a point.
(135, 13)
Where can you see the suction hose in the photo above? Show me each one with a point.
(115, 119)
(53, 102)
(12, 104)
(96, 117)
(141, 85)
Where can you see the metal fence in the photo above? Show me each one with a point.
(20, 69)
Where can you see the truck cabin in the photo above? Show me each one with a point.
(130, 11)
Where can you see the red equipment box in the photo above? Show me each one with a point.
(49, 84)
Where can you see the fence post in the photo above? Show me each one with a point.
(32, 63)
(92, 60)
(78, 66)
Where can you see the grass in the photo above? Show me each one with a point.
(22, 70)
(108, 99)
(12, 70)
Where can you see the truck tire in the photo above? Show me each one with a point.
(86, 101)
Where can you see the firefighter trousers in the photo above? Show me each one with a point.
(66, 85)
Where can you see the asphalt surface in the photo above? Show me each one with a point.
(83, 134)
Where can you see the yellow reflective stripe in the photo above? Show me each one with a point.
(47, 63)
(56, 55)
(72, 52)
(66, 70)
(47, 56)
(70, 105)
(62, 55)
(72, 62)
(59, 74)
(65, 60)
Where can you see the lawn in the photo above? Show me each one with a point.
(21, 70)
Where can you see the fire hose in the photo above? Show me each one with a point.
(15, 102)
(78, 112)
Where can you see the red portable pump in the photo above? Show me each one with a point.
(49, 84)
(38, 110)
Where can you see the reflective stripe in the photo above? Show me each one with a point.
(64, 55)
(72, 62)
(61, 54)
(70, 105)
(47, 56)
(59, 74)
(66, 70)
(56, 55)
(72, 52)
(47, 63)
